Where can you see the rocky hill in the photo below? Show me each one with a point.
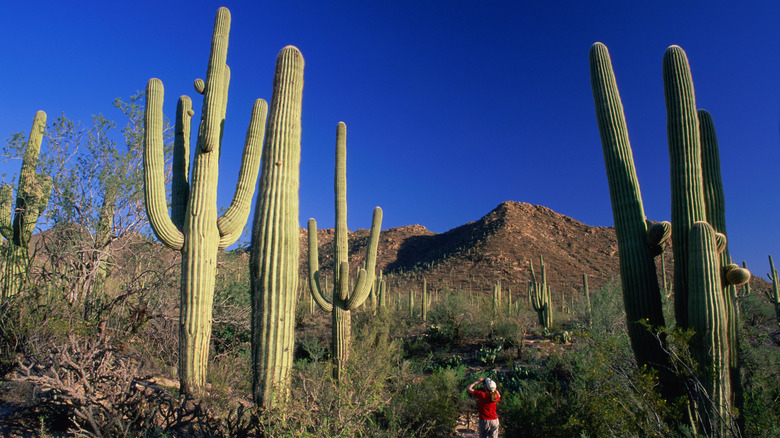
(500, 245)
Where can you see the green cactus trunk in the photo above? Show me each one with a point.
(32, 197)
(638, 276)
(715, 202)
(344, 300)
(682, 128)
(193, 227)
(710, 345)
(274, 255)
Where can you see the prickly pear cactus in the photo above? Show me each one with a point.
(194, 227)
(32, 196)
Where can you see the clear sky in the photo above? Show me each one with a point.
(452, 107)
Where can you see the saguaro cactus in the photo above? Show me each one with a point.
(344, 300)
(193, 227)
(541, 296)
(708, 318)
(697, 198)
(637, 268)
(32, 196)
(425, 300)
(774, 294)
(274, 255)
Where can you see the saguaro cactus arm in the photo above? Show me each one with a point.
(34, 189)
(154, 169)
(180, 184)
(366, 276)
(217, 77)
(314, 269)
(232, 222)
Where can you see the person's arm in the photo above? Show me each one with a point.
(470, 388)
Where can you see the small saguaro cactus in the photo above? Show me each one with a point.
(541, 296)
(381, 288)
(424, 300)
(274, 255)
(193, 226)
(774, 293)
(32, 196)
(344, 300)
(496, 297)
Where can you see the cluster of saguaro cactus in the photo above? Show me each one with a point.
(540, 294)
(193, 226)
(274, 256)
(32, 196)
(774, 293)
(343, 300)
(704, 276)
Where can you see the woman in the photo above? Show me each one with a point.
(486, 401)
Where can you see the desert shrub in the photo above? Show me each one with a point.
(357, 406)
(608, 312)
(531, 410)
(429, 405)
(453, 317)
(760, 356)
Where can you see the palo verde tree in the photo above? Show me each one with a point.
(96, 201)
(193, 226)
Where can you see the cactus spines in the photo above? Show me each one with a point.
(274, 257)
(32, 196)
(194, 227)
(541, 296)
(638, 276)
(345, 298)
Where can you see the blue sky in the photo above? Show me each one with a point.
(452, 107)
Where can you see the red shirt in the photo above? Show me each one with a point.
(487, 408)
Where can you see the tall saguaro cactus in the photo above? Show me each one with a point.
(638, 277)
(344, 300)
(274, 256)
(32, 196)
(193, 227)
(704, 275)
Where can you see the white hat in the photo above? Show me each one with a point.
(490, 385)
